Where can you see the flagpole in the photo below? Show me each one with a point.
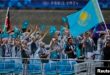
(5, 19)
(102, 17)
(6, 14)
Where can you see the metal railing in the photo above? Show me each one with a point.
(13, 66)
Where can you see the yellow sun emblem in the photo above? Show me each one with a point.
(84, 16)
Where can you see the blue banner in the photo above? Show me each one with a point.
(62, 4)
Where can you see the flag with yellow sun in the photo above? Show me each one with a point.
(85, 19)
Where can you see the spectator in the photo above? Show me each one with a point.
(70, 49)
(43, 54)
(100, 45)
(25, 52)
(55, 49)
(106, 52)
(101, 42)
(88, 45)
(0, 47)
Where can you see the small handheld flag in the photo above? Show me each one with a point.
(42, 27)
(7, 25)
(64, 19)
(52, 30)
(25, 24)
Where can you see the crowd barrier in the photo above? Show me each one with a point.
(14, 66)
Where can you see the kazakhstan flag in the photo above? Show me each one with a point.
(85, 19)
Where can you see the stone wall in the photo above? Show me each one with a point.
(47, 17)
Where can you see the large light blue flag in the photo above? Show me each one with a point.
(85, 19)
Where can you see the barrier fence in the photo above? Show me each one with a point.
(15, 66)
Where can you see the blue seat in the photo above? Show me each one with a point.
(54, 55)
(18, 68)
(34, 68)
(65, 68)
(50, 68)
(7, 66)
(2, 68)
